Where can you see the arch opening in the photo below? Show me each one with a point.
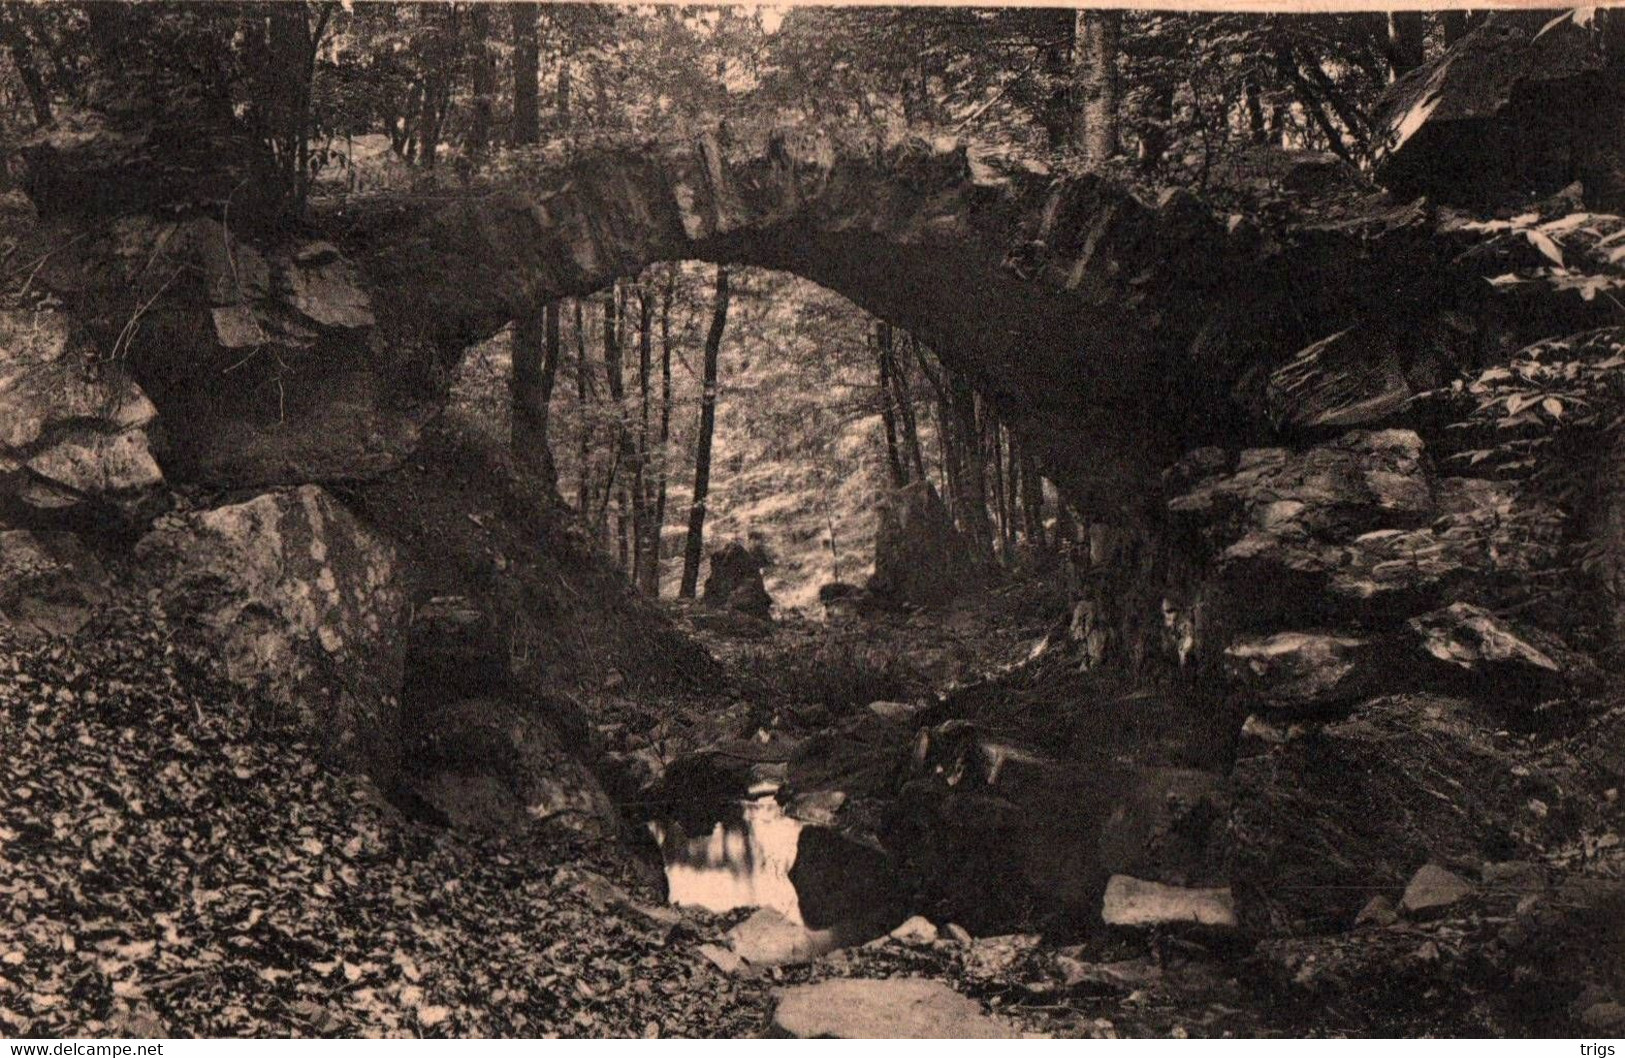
(822, 410)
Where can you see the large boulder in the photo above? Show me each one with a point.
(1133, 902)
(73, 426)
(495, 765)
(1000, 834)
(920, 557)
(1324, 821)
(1505, 659)
(1304, 670)
(270, 353)
(299, 601)
(735, 582)
(1527, 103)
(898, 1008)
(1359, 376)
(50, 582)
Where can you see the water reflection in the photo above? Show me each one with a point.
(743, 860)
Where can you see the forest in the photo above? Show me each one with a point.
(594, 519)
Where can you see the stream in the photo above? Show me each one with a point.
(749, 853)
(743, 860)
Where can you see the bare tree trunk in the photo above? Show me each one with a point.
(484, 81)
(1287, 65)
(648, 547)
(625, 444)
(584, 489)
(1407, 37)
(1154, 127)
(22, 56)
(1059, 39)
(1257, 129)
(1032, 500)
(1095, 76)
(1012, 491)
(903, 398)
(948, 451)
(888, 418)
(428, 137)
(665, 420)
(995, 450)
(535, 367)
(695, 545)
(562, 94)
(526, 73)
(973, 482)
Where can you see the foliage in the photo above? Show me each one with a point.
(300, 76)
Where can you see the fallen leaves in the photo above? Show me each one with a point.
(172, 861)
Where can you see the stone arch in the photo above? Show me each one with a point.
(1101, 327)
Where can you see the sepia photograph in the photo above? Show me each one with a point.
(597, 521)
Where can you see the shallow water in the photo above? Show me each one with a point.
(743, 860)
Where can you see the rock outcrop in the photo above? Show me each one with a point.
(920, 557)
(1318, 558)
(1001, 832)
(271, 355)
(300, 602)
(1476, 126)
(50, 582)
(1324, 821)
(73, 426)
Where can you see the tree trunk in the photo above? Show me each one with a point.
(995, 450)
(888, 416)
(535, 367)
(1095, 76)
(1059, 36)
(22, 56)
(526, 73)
(562, 95)
(1032, 500)
(903, 397)
(647, 560)
(695, 544)
(483, 105)
(665, 417)
(1012, 490)
(1154, 127)
(1287, 65)
(1455, 26)
(973, 483)
(428, 126)
(948, 451)
(584, 489)
(626, 455)
(1257, 129)
(1407, 37)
